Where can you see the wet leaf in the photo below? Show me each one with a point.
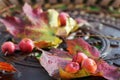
(53, 60)
(59, 59)
(79, 45)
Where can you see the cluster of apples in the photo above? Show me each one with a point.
(26, 45)
(81, 61)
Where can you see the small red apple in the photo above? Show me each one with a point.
(79, 57)
(26, 45)
(89, 65)
(63, 18)
(72, 67)
(8, 48)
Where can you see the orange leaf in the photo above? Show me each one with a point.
(7, 67)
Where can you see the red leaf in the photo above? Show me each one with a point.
(57, 60)
(109, 72)
(36, 16)
(51, 63)
(60, 53)
(79, 45)
(13, 24)
(20, 30)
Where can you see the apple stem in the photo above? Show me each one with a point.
(6, 53)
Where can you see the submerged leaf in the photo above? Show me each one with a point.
(79, 45)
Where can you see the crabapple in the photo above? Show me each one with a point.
(26, 45)
(72, 67)
(89, 65)
(79, 57)
(8, 47)
(63, 18)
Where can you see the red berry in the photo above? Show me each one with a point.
(8, 47)
(63, 18)
(72, 67)
(79, 57)
(26, 45)
(89, 65)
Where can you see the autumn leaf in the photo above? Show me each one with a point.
(13, 24)
(7, 67)
(66, 75)
(70, 26)
(108, 71)
(53, 18)
(79, 45)
(53, 60)
(36, 16)
(57, 60)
